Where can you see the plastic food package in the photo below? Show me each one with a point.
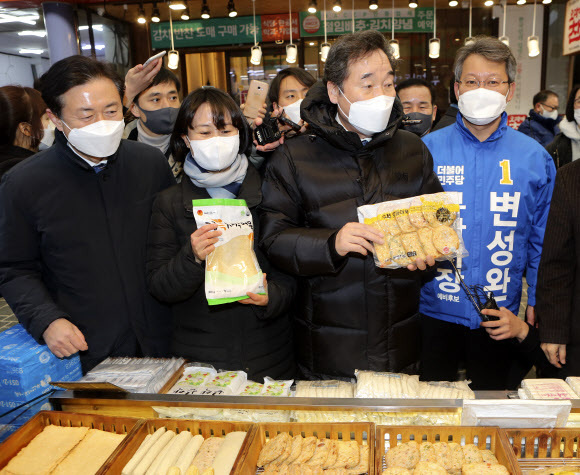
(252, 389)
(328, 388)
(231, 382)
(232, 269)
(426, 225)
(574, 382)
(194, 377)
(547, 389)
(445, 390)
(138, 375)
(275, 388)
(372, 384)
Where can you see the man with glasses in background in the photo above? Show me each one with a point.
(542, 123)
(505, 181)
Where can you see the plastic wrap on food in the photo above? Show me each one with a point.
(574, 383)
(328, 388)
(547, 389)
(445, 390)
(371, 384)
(252, 389)
(275, 388)
(193, 377)
(414, 228)
(232, 382)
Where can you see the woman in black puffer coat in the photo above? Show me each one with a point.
(252, 337)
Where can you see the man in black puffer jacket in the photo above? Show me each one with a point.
(350, 314)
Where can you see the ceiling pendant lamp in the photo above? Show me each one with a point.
(434, 43)
(394, 44)
(324, 47)
(291, 49)
(533, 41)
(256, 51)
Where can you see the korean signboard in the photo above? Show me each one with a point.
(407, 20)
(572, 27)
(277, 27)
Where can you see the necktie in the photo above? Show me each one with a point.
(99, 168)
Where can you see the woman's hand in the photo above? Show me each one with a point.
(508, 325)
(257, 299)
(203, 240)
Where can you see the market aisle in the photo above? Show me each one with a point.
(7, 318)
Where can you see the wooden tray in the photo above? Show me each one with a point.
(171, 381)
(22, 437)
(205, 428)
(539, 448)
(491, 438)
(362, 432)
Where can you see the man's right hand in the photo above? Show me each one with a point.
(64, 339)
(555, 353)
(357, 237)
(139, 78)
(203, 240)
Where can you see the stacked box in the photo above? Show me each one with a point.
(26, 370)
(13, 421)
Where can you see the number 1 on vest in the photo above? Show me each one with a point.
(505, 173)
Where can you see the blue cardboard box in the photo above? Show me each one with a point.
(10, 423)
(27, 368)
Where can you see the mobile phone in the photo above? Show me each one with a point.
(153, 58)
(295, 127)
(256, 97)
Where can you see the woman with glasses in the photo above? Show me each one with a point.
(565, 147)
(542, 123)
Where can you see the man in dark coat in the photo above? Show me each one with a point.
(558, 293)
(350, 313)
(542, 123)
(74, 221)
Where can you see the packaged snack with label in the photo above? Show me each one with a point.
(276, 388)
(232, 382)
(232, 269)
(414, 228)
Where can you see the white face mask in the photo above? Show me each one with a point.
(371, 116)
(215, 154)
(100, 139)
(293, 111)
(48, 137)
(549, 115)
(577, 116)
(481, 106)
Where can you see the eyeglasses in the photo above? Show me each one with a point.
(491, 83)
(550, 108)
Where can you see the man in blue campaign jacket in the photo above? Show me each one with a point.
(505, 180)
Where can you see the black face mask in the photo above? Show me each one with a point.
(422, 128)
(162, 121)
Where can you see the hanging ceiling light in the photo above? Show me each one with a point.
(521, 2)
(546, 2)
(172, 56)
(393, 43)
(453, 3)
(434, 43)
(324, 47)
(185, 14)
(488, 3)
(312, 7)
(504, 39)
(470, 38)
(373, 5)
(205, 10)
(291, 49)
(155, 17)
(256, 57)
(232, 12)
(413, 4)
(141, 16)
(177, 5)
(533, 41)
(337, 7)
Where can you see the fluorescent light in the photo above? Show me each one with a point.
(39, 33)
(31, 51)
(28, 19)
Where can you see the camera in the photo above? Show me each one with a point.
(268, 131)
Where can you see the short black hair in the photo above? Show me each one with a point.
(303, 77)
(570, 104)
(72, 72)
(221, 104)
(163, 76)
(452, 96)
(412, 82)
(352, 47)
(542, 96)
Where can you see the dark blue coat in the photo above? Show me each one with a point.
(542, 130)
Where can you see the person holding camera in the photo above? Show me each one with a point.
(350, 314)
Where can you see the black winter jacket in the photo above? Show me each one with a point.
(561, 150)
(12, 155)
(350, 313)
(231, 336)
(73, 245)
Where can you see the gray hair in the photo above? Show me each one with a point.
(352, 47)
(491, 49)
